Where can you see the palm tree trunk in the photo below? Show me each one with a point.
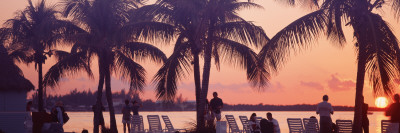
(357, 127)
(98, 110)
(198, 89)
(205, 82)
(113, 124)
(206, 68)
(40, 86)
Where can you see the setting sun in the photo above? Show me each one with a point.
(381, 102)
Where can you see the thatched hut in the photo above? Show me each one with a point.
(13, 91)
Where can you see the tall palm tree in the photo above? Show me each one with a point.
(106, 30)
(183, 16)
(34, 32)
(205, 29)
(231, 34)
(376, 45)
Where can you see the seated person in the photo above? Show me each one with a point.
(254, 126)
(274, 122)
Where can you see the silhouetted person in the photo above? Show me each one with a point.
(28, 118)
(216, 105)
(324, 109)
(57, 114)
(29, 106)
(394, 112)
(207, 115)
(101, 119)
(126, 116)
(365, 120)
(85, 131)
(274, 122)
(255, 128)
(135, 107)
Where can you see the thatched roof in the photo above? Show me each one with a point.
(11, 77)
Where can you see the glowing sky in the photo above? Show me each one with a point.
(321, 69)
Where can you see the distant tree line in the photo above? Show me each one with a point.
(83, 100)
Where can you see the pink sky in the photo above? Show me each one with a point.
(322, 69)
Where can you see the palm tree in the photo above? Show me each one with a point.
(231, 34)
(209, 28)
(33, 34)
(11, 76)
(106, 30)
(376, 45)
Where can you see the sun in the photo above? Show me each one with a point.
(381, 102)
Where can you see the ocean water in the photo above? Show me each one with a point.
(180, 120)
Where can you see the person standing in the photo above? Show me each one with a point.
(216, 106)
(28, 119)
(394, 112)
(126, 116)
(365, 120)
(324, 109)
(57, 114)
(135, 107)
(274, 122)
(207, 114)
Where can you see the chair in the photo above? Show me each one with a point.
(233, 127)
(137, 124)
(344, 126)
(311, 125)
(245, 123)
(168, 125)
(385, 124)
(154, 124)
(295, 125)
(258, 119)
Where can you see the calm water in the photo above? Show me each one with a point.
(84, 120)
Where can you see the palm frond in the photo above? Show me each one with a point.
(242, 31)
(143, 51)
(396, 8)
(237, 6)
(22, 55)
(337, 11)
(130, 71)
(149, 31)
(382, 50)
(298, 35)
(173, 70)
(60, 55)
(76, 8)
(67, 66)
(243, 56)
(310, 4)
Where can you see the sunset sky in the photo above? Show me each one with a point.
(322, 69)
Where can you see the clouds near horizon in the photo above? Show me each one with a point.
(337, 84)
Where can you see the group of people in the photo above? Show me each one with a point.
(269, 125)
(325, 110)
(54, 122)
(126, 113)
(213, 111)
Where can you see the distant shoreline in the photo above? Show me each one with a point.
(233, 110)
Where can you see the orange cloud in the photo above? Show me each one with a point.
(339, 84)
